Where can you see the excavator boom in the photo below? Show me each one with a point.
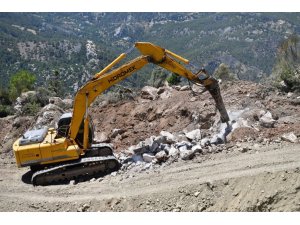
(69, 152)
(150, 54)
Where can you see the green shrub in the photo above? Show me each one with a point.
(223, 73)
(31, 108)
(174, 79)
(5, 110)
(20, 82)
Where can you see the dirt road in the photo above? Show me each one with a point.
(267, 179)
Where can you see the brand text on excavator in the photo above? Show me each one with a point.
(123, 73)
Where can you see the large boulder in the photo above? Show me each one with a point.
(49, 116)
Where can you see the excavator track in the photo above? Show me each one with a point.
(82, 168)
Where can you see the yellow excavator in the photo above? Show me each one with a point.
(68, 152)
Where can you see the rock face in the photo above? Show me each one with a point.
(57, 101)
(26, 97)
(49, 115)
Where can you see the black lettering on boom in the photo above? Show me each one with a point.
(123, 73)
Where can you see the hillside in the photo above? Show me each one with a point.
(80, 44)
(188, 168)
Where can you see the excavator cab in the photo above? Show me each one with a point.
(63, 126)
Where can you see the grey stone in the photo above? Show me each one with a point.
(170, 138)
(184, 88)
(267, 120)
(149, 92)
(204, 142)
(174, 152)
(183, 148)
(161, 156)
(148, 157)
(186, 154)
(291, 137)
(116, 132)
(194, 135)
(68, 103)
(196, 148)
(101, 137)
(57, 101)
(183, 143)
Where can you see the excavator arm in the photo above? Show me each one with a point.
(150, 53)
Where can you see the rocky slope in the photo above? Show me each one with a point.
(171, 145)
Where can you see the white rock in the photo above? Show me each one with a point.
(149, 92)
(182, 148)
(184, 88)
(267, 120)
(186, 154)
(101, 137)
(290, 94)
(170, 138)
(72, 182)
(204, 142)
(57, 101)
(194, 135)
(161, 156)
(68, 103)
(196, 148)
(174, 152)
(291, 137)
(148, 157)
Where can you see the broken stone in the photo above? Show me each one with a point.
(184, 88)
(186, 154)
(93, 180)
(267, 120)
(68, 103)
(183, 143)
(161, 156)
(113, 174)
(101, 137)
(196, 148)
(291, 137)
(149, 92)
(116, 132)
(72, 182)
(182, 148)
(194, 135)
(170, 138)
(174, 152)
(196, 193)
(57, 101)
(148, 157)
(204, 142)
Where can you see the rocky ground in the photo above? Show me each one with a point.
(174, 154)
